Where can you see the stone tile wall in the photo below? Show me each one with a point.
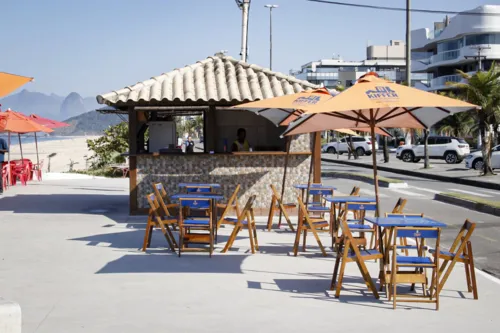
(254, 172)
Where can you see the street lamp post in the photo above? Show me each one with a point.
(271, 34)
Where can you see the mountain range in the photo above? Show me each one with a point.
(73, 109)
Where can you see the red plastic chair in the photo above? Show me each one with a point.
(23, 173)
(5, 176)
(36, 169)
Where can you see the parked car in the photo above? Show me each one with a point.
(452, 150)
(475, 159)
(362, 145)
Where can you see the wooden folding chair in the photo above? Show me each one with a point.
(400, 205)
(278, 205)
(403, 242)
(161, 192)
(347, 252)
(188, 224)
(460, 251)
(417, 265)
(306, 223)
(157, 219)
(319, 207)
(358, 223)
(245, 220)
(232, 203)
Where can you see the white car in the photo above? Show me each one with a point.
(362, 145)
(475, 160)
(452, 150)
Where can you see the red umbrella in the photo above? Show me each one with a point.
(48, 122)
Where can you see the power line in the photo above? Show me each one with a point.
(400, 9)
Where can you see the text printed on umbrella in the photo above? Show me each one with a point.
(381, 93)
(307, 100)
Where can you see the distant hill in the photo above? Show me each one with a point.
(87, 123)
(73, 108)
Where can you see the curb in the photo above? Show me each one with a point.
(479, 207)
(381, 183)
(477, 183)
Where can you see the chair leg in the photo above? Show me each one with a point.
(271, 214)
(211, 246)
(255, 236)
(472, 270)
(335, 270)
(231, 239)
(147, 236)
(315, 233)
(304, 238)
(446, 275)
(297, 238)
(250, 236)
(341, 273)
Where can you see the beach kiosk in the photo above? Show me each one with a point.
(209, 87)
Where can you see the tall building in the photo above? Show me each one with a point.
(387, 60)
(456, 43)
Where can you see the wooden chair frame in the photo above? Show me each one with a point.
(232, 203)
(418, 275)
(246, 219)
(360, 214)
(160, 191)
(344, 255)
(461, 251)
(155, 219)
(399, 207)
(278, 205)
(306, 223)
(185, 234)
(403, 242)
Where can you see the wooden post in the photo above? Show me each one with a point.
(209, 136)
(288, 142)
(132, 142)
(374, 159)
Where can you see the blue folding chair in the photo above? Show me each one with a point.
(418, 266)
(358, 223)
(403, 241)
(188, 224)
(319, 206)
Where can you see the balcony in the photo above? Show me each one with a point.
(445, 56)
(441, 82)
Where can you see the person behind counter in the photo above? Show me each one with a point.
(241, 144)
(189, 145)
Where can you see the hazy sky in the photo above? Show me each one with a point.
(95, 46)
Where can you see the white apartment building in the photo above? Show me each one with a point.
(387, 60)
(455, 44)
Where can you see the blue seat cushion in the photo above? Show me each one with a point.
(364, 253)
(413, 260)
(189, 222)
(359, 227)
(410, 247)
(314, 208)
(234, 220)
(320, 222)
(446, 253)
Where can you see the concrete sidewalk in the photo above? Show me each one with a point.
(439, 170)
(70, 258)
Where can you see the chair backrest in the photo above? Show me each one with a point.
(247, 208)
(359, 209)
(355, 191)
(400, 205)
(303, 210)
(230, 203)
(197, 203)
(322, 192)
(412, 232)
(463, 236)
(154, 211)
(199, 189)
(406, 216)
(160, 191)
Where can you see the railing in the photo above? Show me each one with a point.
(443, 80)
(445, 56)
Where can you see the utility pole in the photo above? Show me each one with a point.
(479, 58)
(408, 44)
(244, 5)
(271, 34)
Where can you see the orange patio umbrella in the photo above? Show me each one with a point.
(10, 82)
(374, 102)
(16, 122)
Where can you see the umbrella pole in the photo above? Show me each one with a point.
(284, 175)
(310, 171)
(374, 158)
(36, 145)
(20, 147)
(9, 168)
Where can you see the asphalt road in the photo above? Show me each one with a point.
(420, 194)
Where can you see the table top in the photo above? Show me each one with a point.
(388, 222)
(197, 196)
(199, 184)
(344, 199)
(314, 187)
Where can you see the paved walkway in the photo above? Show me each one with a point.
(70, 258)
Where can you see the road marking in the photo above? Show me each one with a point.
(472, 193)
(426, 190)
(412, 194)
(372, 193)
(490, 192)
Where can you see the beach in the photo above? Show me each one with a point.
(67, 149)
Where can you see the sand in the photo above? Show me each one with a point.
(71, 148)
